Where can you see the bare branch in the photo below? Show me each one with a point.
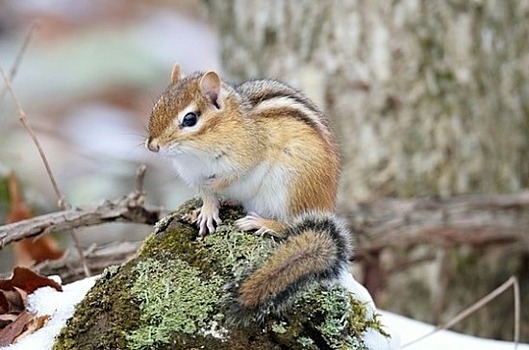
(511, 282)
(140, 175)
(130, 208)
(475, 220)
(25, 122)
(61, 199)
(20, 55)
(98, 259)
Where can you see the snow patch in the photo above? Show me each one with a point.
(372, 338)
(59, 306)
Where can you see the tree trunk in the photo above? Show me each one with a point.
(428, 98)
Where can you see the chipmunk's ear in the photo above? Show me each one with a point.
(175, 74)
(210, 86)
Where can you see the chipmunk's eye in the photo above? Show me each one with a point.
(190, 119)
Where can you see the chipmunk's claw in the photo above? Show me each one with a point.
(208, 219)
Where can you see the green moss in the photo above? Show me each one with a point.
(337, 315)
(306, 342)
(360, 321)
(157, 288)
(279, 327)
(170, 297)
(105, 311)
(227, 249)
(339, 321)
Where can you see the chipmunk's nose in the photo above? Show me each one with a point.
(152, 145)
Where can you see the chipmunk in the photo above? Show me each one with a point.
(318, 249)
(266, 145)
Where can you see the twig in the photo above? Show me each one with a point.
(517, 312)
(140, 175)
(98, 257)
(61, 199)
(130, 208)
(20, 55)
(25, 122)
(511, 282)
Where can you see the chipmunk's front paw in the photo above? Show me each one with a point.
(208, 218)
(252, 221)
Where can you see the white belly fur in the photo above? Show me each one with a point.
(262, 190)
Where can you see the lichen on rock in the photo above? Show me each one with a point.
(171, 296)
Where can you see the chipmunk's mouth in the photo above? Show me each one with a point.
(155, 146)
(172, 149)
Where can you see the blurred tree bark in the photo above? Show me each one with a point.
(428, 98)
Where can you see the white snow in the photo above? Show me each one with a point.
(410, 330)
(407, 330)
(60, 306)
(373, 339)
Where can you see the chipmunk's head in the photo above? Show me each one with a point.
(190, 115)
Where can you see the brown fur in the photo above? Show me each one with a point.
(217, 126)
(300, 256)
(305, 145)
(300, 142)
(317, 250)
(314, 159)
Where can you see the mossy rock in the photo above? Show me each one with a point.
(172, 294)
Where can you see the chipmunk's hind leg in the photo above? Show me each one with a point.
(253, 221)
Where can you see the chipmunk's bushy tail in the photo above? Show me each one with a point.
(318, 248)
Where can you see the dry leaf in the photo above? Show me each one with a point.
(33, 325)
(28, 281)
(28, 251)
(15, 328)
(12, 301)
(15, 322)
